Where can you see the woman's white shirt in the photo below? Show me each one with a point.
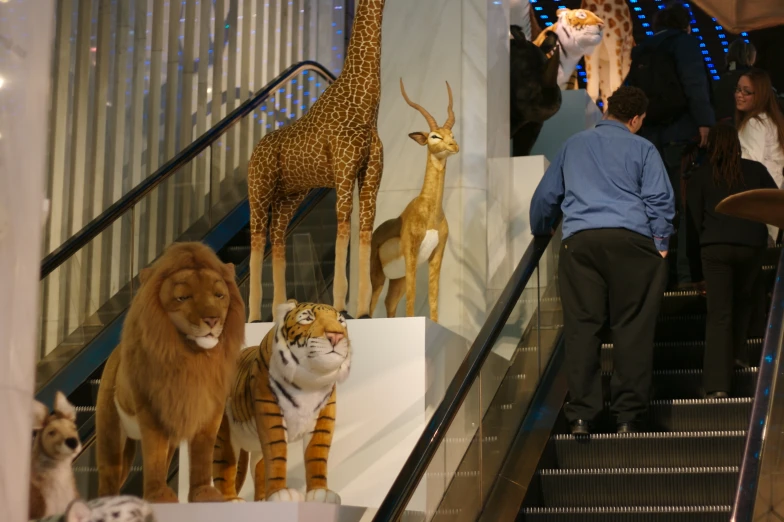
(759, 141)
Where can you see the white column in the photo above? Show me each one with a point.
(27, 31)
(466, 43)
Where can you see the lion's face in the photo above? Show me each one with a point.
(316, 336)
(197, 301)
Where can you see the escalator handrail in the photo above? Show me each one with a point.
(404, 486)
(79, 240)
(772, 348)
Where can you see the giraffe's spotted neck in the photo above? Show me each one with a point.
(362, 68)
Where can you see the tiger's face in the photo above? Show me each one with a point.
(584, 27)
(316, 337)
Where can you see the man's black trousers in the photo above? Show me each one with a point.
(616, 276)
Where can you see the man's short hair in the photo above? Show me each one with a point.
(674, 16)
(626, 103)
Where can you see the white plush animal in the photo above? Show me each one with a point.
(579, 31)
(108, 509)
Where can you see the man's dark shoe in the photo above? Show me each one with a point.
(626, 427)
(579, 427)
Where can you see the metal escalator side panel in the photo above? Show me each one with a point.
(517, 477)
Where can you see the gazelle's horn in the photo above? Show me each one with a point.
(430, 120)
(451, 118)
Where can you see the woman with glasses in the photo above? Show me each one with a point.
(739, 59)
(760, 125)
(731, 252)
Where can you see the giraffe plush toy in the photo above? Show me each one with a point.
(608, 64)
(334, 145)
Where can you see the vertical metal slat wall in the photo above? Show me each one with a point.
(134, 82)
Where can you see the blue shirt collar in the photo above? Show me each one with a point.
(613, 123)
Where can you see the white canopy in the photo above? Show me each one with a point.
(744, 15)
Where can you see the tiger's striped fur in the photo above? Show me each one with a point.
(579, 31)
(284, 391)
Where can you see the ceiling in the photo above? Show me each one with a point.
(714, 40)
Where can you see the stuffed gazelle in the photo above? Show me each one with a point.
(419, 234)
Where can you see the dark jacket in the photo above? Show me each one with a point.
(724, 93)
(694, 80)
(702, 196)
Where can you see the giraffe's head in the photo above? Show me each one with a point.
(440, 141)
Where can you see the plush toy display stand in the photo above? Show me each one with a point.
(399, 374)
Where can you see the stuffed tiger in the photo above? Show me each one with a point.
(284, 391)
(579, 31)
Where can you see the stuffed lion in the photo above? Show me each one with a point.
(169, 378)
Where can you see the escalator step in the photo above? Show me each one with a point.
(678, 355)
(686, 302)
(681, 327)
(687, 384)
(701, 414)
(638, 486)
(628, 514)
(653, 449)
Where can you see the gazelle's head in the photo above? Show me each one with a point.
(440, 141)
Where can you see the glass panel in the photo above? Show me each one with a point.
(309, 283)
(83, 295)
(320, 224)
(469, 458)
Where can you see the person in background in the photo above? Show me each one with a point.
(732, 253)
(769, 42)
(760, 125)
(618, 205)
(678, 86)
(740, 58)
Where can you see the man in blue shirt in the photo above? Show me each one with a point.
(618, 206)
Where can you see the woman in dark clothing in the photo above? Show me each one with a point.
(740, 58)
(731, 251)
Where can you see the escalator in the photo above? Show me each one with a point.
(697, 460)
(76, 364)
(684, 466)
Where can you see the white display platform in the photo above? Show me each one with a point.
(399, 373)
(261, 512)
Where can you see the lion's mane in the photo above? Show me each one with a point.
(181, 386)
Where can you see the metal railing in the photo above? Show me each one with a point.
(763, 451)
(79, 240)
(415, 467)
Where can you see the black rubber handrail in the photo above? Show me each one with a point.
(413, 470)
(79, 240)
(772, 350)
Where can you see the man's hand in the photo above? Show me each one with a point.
(663, 253)
(704, 136)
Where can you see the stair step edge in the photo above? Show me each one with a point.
(628, 509)
(639, 471)
(656, 435)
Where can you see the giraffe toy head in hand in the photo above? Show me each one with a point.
(419, 234)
